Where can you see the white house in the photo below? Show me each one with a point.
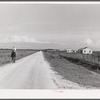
(85, 50)
(69, 50)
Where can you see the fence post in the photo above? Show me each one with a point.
(92, 59)
(83, 57)
(87, 57)
(98, 60)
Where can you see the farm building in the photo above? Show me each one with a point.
(69, 50)
(61, 50)
(85, 50)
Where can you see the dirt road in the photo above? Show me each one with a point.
(32, 72)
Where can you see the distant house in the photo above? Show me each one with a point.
(61, 49)
(85, 50)
(69, 50)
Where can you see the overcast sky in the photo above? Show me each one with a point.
(71, 25)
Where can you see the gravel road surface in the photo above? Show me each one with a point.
(32, 72)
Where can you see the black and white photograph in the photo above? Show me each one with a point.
(49, 46)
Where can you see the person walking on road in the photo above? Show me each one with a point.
(13, 54)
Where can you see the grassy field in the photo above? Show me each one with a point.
(5, 55)
(71, 71)
(89, 61)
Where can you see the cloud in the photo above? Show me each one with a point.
(89, 42)
(21, 39)
(94, 45)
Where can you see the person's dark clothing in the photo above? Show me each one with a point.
(13, 55)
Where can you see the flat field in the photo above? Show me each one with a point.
(71, 71)
(5, 55)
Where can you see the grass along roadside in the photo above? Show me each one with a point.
(5, 55)
(72, 72)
